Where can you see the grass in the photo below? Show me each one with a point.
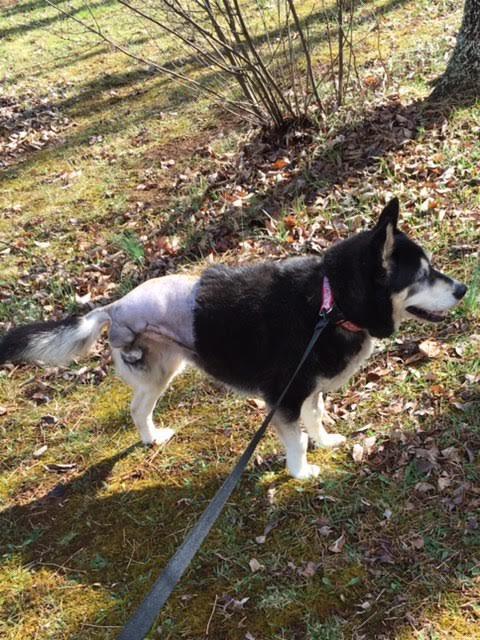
(124, 190)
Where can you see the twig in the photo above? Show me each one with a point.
(175, 74)
(101, 626)
(211, 615)
(306, 51)
(341, 43)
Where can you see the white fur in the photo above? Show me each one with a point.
(164, 360)
(332, 384)
(434, 297)
(399, 305)
(63, 344)
(388, 248)
(295, 442)
(313, 415)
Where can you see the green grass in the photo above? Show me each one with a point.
(99, 208)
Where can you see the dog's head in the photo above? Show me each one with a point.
(381, 277)
(417, 289)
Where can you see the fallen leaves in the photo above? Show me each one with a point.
(430, 348)
(359, 451)
(38, 453)
(28, 123)
(262, 539)
(337, 546)
(60, 467)
(255, 565)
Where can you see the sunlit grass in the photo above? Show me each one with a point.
(81, 549)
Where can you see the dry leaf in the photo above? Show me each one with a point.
(255, 565)
(452, 454)
(437, 389)
(309, 570)
(444, 482)
(338, 545)
(290, 222)
(40, 451)
(60, 467)
(424, 487)
(281, 164)
(325, 531)
(430, 348)
(369, 444)
(417, 542)
(357, 453)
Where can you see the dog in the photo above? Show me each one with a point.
(248, 327)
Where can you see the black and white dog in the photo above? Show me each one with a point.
(249, 326)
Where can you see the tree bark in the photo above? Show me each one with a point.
(462, 75)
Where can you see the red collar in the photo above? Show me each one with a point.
(328, 303)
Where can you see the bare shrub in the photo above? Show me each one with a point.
(257, 58)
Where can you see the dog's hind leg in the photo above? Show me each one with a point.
(149, 374)
(313, 416)
(295, 442)
(142, 407)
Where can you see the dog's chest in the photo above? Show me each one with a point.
(326, 384)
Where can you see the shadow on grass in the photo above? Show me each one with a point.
(348, 152)
(43, 23)
(94, 97)
(408, 517)
(358, 146)
(27, 7)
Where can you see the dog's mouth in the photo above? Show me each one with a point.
(430, 316)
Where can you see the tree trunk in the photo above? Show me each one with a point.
(462, 75)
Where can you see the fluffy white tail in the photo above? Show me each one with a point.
(53, 342)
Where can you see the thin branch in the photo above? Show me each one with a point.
(178, 35)
(175, 74)
(341, 43)
(306, 51)
(272, 83)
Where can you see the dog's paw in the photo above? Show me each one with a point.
(331, 440)
(159, 436)
(307, 472)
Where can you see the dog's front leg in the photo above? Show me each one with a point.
(313, 416)
(295, 442)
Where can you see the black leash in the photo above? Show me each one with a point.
(142, 620)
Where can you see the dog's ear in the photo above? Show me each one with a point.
(384, 231)
(389, 215)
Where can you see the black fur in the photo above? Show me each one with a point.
(252, 323)
(15, 343)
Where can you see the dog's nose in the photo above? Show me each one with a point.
(459, 291)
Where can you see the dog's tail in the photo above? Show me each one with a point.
(53, 342)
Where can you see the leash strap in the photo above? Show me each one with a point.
(142, 620)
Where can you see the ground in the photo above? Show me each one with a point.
(110, 174)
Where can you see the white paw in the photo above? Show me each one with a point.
(159, 436)
(307, 472)
(330, 440)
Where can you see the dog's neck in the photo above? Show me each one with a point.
(329, 306)
(357, 289)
